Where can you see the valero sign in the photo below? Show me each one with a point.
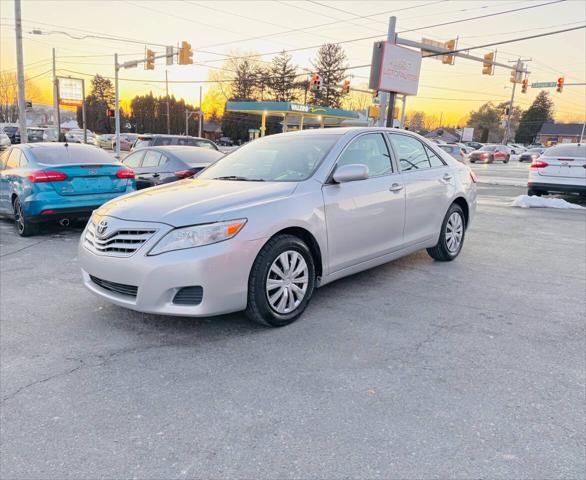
(70, 91)
(395, 69)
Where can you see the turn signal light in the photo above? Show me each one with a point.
(43, 176)
(125, 173)
(539, 164)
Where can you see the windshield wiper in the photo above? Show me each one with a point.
(242, 179)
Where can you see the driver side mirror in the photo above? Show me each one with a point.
(351, 173)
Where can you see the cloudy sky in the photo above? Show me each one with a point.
(215, 28)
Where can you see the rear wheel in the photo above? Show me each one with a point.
(536, 193)
(490, 159)
(451, 237)
(281, 282)
(23, 227)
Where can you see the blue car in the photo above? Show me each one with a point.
(43, 182)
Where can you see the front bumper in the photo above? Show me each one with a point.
(221, 269)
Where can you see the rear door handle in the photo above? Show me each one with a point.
(395, 187)
(155, 175)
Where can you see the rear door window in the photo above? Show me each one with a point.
(152, 159)
(133, 160)
(434, 160)
(159, 141)
(411, 153)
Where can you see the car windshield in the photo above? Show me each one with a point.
(488, 148)
(567, 151)
(536, 150)
(275, 159)
(10, 129)
(72, 154)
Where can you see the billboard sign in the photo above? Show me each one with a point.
(395, 69)
(467, 134)
(70, 91)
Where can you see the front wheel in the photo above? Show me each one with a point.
(23, 227)
(506, 160)
(451, 237)
(281, 282)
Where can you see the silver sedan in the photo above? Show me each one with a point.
(264, 226)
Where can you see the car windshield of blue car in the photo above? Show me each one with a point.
(274, 159)
(72, 154)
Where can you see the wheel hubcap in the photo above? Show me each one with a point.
(18, 217)
(454, 232)
(287, 282)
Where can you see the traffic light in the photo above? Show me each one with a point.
(150, 60)
(487, 65)
(185, 54)
(560, 84)
(513, 78)
(449, 59)
(110, 112)
(346, 87)
(316, 83)
(524, 85)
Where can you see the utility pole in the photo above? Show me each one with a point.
(56, 98)
(20, 73)
(117, 106)
(199, 132)
(388, 99)
(83, 118)
(582, 134)
(167, 94)
(519, 69)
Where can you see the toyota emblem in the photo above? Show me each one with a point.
(101, 228)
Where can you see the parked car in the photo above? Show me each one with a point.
(13, 133)
(105, 140)
(454, 150)
(4, 141)
(561, 168)
(149, 140)
(50, 134)
(535, 145)
(531, 154)
(76, 136)
(263, 226)
(475, 145)
(516, 149)
(127, 140)
(34, 134)
(42, 182)
(157, 165)
(490, 153)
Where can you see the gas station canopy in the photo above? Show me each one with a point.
(286, 109)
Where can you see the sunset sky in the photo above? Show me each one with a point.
(215, 28)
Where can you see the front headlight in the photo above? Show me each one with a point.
(198, 236)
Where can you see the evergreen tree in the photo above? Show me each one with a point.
(540, 111)
(281, 76)
(330, 64)
(97, 103)
(245, 84)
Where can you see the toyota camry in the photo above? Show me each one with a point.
(264, 226)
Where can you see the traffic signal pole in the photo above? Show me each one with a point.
(117, 105)
(20, 73)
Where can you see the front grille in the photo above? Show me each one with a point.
(123, 242)
(122, 289)
(188, 296)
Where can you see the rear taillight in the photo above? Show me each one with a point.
(539, 164)
(473, 177)
(184, 173)
(43, 176)
(125, 173)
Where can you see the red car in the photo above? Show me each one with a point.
(490, 153)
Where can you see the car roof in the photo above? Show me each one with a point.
(185, 151)
(55, 145)
(152, 135)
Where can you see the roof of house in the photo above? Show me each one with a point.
(551, 128)
(444, 132)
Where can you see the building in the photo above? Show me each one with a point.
(552, 133)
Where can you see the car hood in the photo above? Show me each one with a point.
(192, 201)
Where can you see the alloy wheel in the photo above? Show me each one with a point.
(287, 282)
(454, 232)
(18, 216)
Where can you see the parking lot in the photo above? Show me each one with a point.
(416, 369)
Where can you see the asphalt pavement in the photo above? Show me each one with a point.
(415, 369)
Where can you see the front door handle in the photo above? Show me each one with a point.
(155, 175)
(395, 187)
(447, 177)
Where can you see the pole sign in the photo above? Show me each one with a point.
(70, 91)
(395, 69)
(544, 85)
(467, 134)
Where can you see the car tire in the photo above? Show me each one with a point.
(23, 227)
(507, 158)
(490, 160)
(451, 237)
(472, 161)
(268, 308)
(537, 193)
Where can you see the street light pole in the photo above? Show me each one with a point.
(200, 124)
(117, 105)
(56, 98)
(20, 73)
(167, 95)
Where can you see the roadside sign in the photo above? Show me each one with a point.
(467, 134)
(395, 69)
(28, 104)
(544, 85)
(70, 91)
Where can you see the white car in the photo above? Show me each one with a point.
(559, 169)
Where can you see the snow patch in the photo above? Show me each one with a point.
(526, 201)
